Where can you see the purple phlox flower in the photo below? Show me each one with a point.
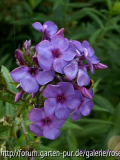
(83, 109)
(48, 29)
(88, 93)
(77, 69)
(44, 125)
(31, 78)
(19, 95)
(27, 44)
(61, 99)
(55, 54)
(19, 57)
(85, 52)
(98, 66)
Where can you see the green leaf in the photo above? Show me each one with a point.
(27, 7)
(96, 85)
(79, 4)
(109, 4)
(77, 15)
(21, 108)
(21, 139)
(110, 28)
(27, 122)
(94, 130)
(41, 147)
(98, 108)
(111, 44)
(101, 101)
(72, 144)
(116, 119)
(10, 110)
(3, 128)
(8, 98)
(41, 17)
(96, 18)
(88, 120)
(56, 143)
(96, 12)
(70, 125)
(57, 4)
(94, 36)
(34, 3)
(2, 109)
(8, 79)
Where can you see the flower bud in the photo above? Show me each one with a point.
(18, 96)
(100, 66)
(27, 44)
(19, 57)
(33, 95)
(85, 92)
(60, 32)
(35, 60)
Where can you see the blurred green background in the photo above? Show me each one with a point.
(97, 21)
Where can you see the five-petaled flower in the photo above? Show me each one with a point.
(44, 125)
(31, 78)
(55, 54)
(48, 29)
(61, 99)
(83, 109)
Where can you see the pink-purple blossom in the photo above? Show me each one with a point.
(48, 29)
(55, 54)
(83, 109)
(75, 69)
(61, 99)
(31, 78)
(56, 75)
(44, 125)
(86, 52)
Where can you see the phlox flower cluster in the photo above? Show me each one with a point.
(55, 72)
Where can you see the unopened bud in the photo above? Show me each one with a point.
(60, 32)
(85, 92)
(18, 96)
(100, 66)
(33, 95)
(27, 44)
(19, 57)
(35, 60)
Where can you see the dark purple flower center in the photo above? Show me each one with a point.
(32, 71)
(56, 53)
(46, 121)
(61, 98)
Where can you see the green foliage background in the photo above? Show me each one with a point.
(97, 21)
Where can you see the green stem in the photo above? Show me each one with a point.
(8, 91)
(24, 130)
(22, 106)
